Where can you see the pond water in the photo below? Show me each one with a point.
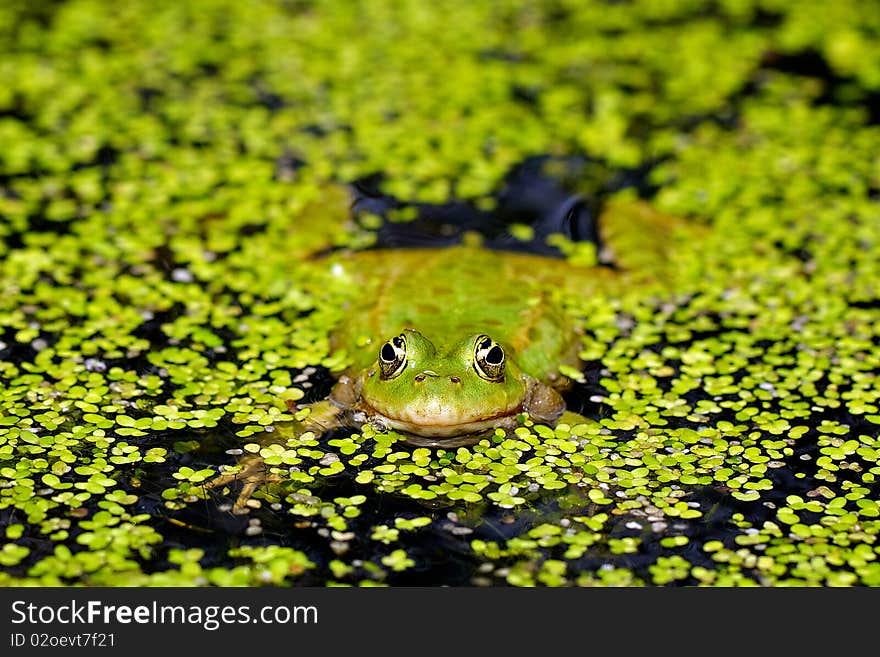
(161, 201)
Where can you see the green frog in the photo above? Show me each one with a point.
(447, 344)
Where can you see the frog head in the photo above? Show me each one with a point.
(466, 386)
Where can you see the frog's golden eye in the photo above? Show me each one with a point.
(392, 357)
(489, 359)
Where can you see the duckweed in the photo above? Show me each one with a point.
(160, 198)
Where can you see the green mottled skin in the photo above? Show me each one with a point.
(456, 291)
(442, 304)
(453, 295)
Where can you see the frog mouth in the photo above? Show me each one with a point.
(441, 423)
(446, 430)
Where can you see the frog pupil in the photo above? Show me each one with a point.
(392, 357)
(489, 359)
(388, 354)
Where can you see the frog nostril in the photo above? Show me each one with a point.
(419, 377)
(454, 379)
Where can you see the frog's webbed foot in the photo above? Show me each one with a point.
(640, 240)
(252, 472)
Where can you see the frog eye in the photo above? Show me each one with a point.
(392, 357)
(489, 359)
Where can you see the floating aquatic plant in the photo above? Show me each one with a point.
(159, 317)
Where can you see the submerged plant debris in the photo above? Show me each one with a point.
(164, 166)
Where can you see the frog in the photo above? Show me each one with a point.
(445, 345)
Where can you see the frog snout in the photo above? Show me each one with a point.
(424, 374)
(421, 376)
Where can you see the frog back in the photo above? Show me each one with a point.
(452, 292)
(517, 299)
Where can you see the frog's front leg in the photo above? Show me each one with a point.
(545, 405)
(252, 471)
